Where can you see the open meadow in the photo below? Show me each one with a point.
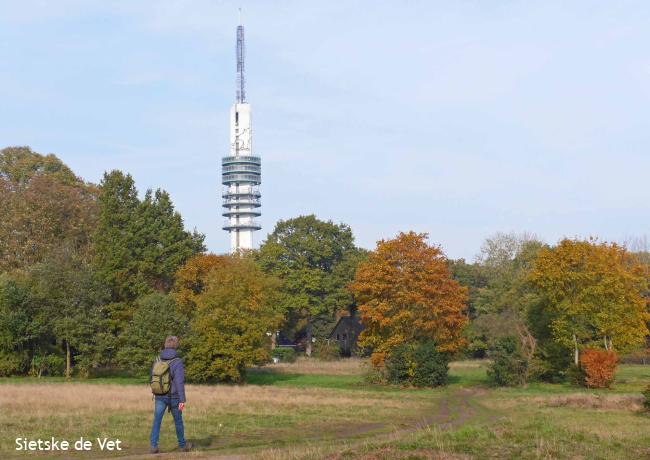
(312, 409)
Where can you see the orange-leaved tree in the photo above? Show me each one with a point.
(592, 296)
(406, 295)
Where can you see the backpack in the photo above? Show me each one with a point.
(161, 378)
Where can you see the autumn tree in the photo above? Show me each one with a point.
(592, 296)
(43, 205)
(406, 295)
(234, 316)
(315, 260)
(191, 278)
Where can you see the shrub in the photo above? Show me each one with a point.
(12, 363)
(326, 351)
(421, 366)
(285, 354)
(509, 367)
(599, 367)
(552, 363)
(575, 375)
(431, 366)
(399, 365)
(47, 365)
(646, 400)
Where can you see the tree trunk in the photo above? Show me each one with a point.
(308, 347)
(576, 354)
(274, 338)
(67, 359)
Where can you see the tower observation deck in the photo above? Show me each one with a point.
(241, 171)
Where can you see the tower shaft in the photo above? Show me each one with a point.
(241, 170)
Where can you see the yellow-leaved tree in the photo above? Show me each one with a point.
(406, 295)
(593, 295)
(233, 312)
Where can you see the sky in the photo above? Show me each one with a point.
(457, 118)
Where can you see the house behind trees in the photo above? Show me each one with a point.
(345, 334)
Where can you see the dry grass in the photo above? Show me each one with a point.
(594, 401)
(222, 415)
(617, 402)
(306, 366)
(88, 399)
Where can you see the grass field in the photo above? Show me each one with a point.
(311, 410)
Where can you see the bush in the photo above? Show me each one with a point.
(421, 366)
(575, 375)
(326, 351)
(399, 365)
(552, 363)
(285, 354)
(12, 363)
(47, 365)
(431, 366)
(599, 367)
(509, 367)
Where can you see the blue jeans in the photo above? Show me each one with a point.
(160, 407)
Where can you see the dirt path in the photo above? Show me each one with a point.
(455, 410)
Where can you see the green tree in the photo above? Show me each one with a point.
(74, 299)
(139, 245)
(229, 331)
(166, 244)
(156, 317)
(25, 333)
(116, 241)
(501, 304)
(315, 261)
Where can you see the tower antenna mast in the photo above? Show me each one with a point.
(241, 54)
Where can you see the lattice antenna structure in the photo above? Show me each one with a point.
(241, 54)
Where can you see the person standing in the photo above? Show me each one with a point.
(174, 399)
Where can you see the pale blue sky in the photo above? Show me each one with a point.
(460, 119)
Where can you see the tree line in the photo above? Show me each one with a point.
(92, 277)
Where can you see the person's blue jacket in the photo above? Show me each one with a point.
(177, 372)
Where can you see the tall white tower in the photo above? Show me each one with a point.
(241, 172)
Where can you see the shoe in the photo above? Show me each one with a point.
(154, 450)
(188, 447)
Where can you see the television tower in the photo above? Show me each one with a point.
(241, 171)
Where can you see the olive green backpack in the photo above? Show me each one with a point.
(161, 379)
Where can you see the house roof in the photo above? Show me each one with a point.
(347, 323)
